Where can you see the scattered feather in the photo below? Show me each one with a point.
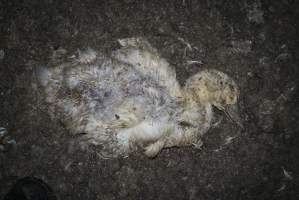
(287, 174)
(283, 186)
(191, 62)
(87, 56)
(229, 139)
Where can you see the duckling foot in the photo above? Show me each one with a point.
(153, 149)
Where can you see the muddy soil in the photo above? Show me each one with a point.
(255, 42)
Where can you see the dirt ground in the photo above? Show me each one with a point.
(255, 42)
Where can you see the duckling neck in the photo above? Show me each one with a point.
(191, 104)
(197, 112)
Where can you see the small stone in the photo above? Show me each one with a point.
(284, 46)
(12, 142)
(250, 74)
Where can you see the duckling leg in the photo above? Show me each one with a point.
(143, 133)
(153, 149)
(187, 138)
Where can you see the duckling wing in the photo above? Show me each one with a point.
(145, 59)
(109, 92)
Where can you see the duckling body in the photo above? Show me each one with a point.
(129, 100)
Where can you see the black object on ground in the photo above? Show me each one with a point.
(30, 188)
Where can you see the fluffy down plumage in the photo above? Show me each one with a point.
(132, 99)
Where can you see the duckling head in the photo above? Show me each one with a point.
(212, 87)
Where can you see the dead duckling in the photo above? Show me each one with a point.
(132, 99)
